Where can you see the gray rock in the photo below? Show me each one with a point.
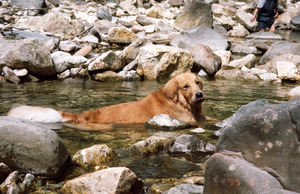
(29, 147)
(280, 48)
(186, 189)
(156, 62)
(195, 13)
(293, 93)
(295, 23)
(108, 76)
(165, 122)
(9, 75)
(4, 171)
(90, 38)
(206, 59)
(176, 3)
(190, 144)
(30, 54)
(152, 144)
(110, 180)
(239, 114)
(102, 27)
(265, 35)
(63, 61)
(54, 22)
(95, 155)
(29, 4)
(110, 60)
(204, 35)
(229, 172)
(27, 182)
(103, 14)
(144, 20)
(237, 75)
(69, 46)
(268, 137)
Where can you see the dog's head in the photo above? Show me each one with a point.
(186, 89)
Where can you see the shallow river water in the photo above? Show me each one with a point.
(222, 99)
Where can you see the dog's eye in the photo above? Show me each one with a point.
(186, 87)
(197, 82)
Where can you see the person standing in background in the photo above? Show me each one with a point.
(266, 12)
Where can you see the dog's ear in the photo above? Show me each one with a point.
(171, 89)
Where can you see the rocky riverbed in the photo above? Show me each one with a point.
(107, 41)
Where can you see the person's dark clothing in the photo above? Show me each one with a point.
(265, 16)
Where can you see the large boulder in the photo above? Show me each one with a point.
(111, 180)
(266, 136)
(204, 35)
(30, 54)
(280, 48)
(29, 147)
(159, 62)
(195, 13)
(206, 59)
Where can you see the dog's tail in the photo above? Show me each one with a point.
(37, 114)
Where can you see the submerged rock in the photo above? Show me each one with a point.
(152, 144)
(165, 122)
(191, 147)
(94, 156)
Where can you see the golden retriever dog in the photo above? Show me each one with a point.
(180, 98)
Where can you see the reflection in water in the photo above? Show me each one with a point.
(222, 99)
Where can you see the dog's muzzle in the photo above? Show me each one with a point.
(199, 97)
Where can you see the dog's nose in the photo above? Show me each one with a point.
(199, 95)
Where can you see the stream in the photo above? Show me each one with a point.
(222, 99)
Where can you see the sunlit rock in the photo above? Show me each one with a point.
(247, 61)
(95, 155)
(293, 93)
(111, 180)
(239, 31)
(158, 62)
(195, 13)
(165, 122)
